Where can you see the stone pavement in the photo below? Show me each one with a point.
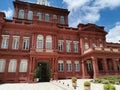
(53, 85)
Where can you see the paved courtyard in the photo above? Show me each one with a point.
(53, 85)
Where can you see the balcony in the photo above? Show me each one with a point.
(102, 50)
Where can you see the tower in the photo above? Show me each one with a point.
(43, 2)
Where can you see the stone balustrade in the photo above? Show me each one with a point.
(102, 49)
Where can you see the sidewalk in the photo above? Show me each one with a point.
(53, 85)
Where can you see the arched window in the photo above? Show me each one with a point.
(39, 42)
(21, 14)
(47, 17)
(30, 15)
(62, 20)
(12, 65)
(54, 16)
(39, 15)
(48, 42)
(23, 65)
(2, 65)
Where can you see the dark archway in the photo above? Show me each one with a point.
(44, 72)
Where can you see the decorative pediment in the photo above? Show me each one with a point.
(93, 28)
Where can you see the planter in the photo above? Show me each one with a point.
(74, 82)
(86, 87)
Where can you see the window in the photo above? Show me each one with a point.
(39, 15)
(5, 41)
(30, 15)
(60, 66)
(23, 65)
(68, 46)
(15, 43)
(69, 66)
(12, 65)
(101, 45)
(25, 43)
(75, 46)
(39, 42)
(47, 17)
(21, 14)
(86, 46)
(94, 45)
(48, 42)
(2, 65)
(60, 45)
(62, 20)
(77, 66)
(100, 65)
(54, 16)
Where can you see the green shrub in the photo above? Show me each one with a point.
(106, 86)
(112, 81)
(87, 83)
(74, 79)
(112, 87)
(105, 82)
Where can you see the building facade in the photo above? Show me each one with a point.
(39, 36)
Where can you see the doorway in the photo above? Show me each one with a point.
(89, 68)
(44, 71)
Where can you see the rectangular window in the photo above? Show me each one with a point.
(69, 66)
(77, 66)
(68, 46)
(75, 46)
(86, 46)
(30, 15)
(2, 65)
(12, 65)
(5, 41)
(47, 17)
(25, 43)
(60, 45)
(60, 66)
(39, 15)
(21, 14)
(15, 43)
(23, 65)
(62, 20)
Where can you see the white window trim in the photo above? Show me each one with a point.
(12, 67)
(61, 68)
(23, 68)
(7, 43)
(2, 65)
(27, 38)
(69, 66)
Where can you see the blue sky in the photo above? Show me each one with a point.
(101, 12)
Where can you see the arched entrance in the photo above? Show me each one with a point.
(89, 68)
(44, 71)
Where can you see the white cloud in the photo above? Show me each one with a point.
(114, 34)
(8, 13)
(88, 11)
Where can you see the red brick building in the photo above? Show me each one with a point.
(39, 36)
